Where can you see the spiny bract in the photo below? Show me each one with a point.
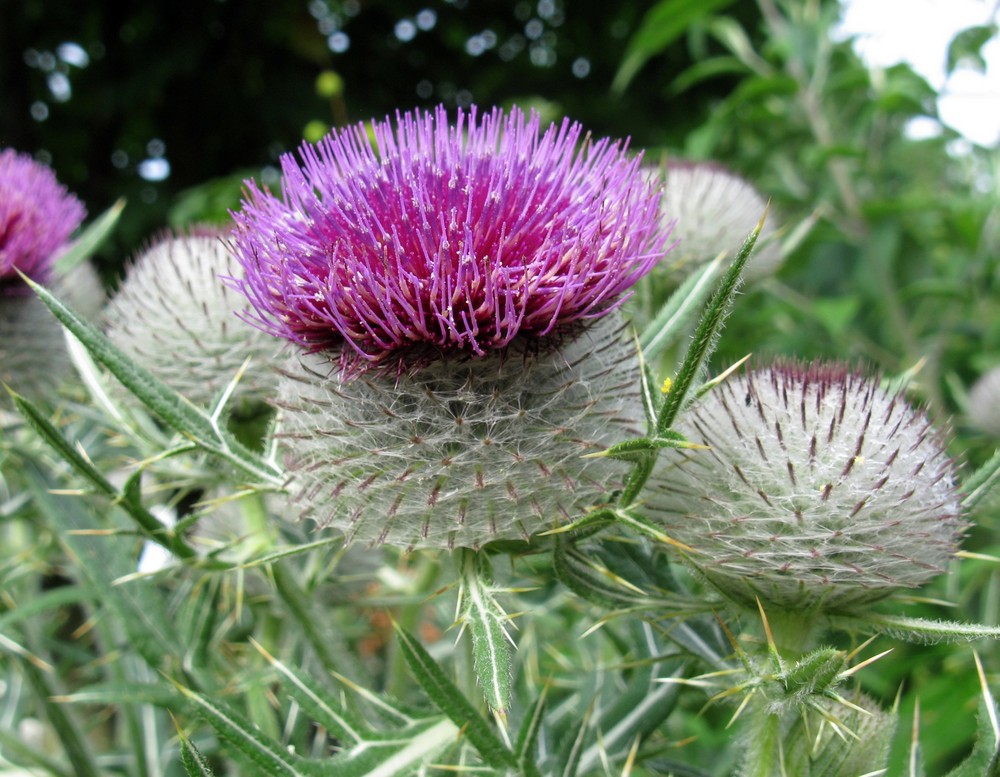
(461, 453)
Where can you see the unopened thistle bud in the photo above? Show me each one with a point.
(32, 348)
(984, 403)
(450, 287)
(713, 211)
(818, 490)
(176, 317)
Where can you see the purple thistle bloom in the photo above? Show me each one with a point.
(37, 216)
(433, 238)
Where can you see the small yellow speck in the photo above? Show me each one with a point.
(859, 460)
(667, 384)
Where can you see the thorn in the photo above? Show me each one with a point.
(850, 656)
(991, 708)
(866, 662)
(977, 556)
(772, 649)
(739, 710)
(630, 760)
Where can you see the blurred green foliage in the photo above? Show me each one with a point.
(899, 269)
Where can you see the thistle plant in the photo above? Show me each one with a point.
(713, 209)
(432, 306)
(37, 217)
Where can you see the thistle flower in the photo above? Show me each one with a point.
(819, 489)
(176, 317)
(452, 286)
(445, 238)
(713, 211)
(37, 216)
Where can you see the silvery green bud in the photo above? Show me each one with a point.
(33, 355)
(713, 211)
(818, 490)
(175, 316)
(459, 453)
(984, 403)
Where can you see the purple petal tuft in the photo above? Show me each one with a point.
(455, 238)
(37, 216)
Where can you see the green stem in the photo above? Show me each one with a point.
(331, 650)
(795, 633)
(764, 754)
(74, 745)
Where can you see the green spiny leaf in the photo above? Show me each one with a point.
(451, 702)
(642, 706)
(91, 239)
(707, 333)
(671, 322)
(527, 735)
(325, 710)
(77, 750)
(920, 630)
(245, 738)
(147, 522)
(580, 575)
(195, 764)
(486, 621)
(102, 560)
(638, 448)
(978, 485)
(176, 411)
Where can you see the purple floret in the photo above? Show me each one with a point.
(455, 238)
(37, 216)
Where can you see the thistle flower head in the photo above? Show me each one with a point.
(434, 238)
(37, 216)
(818, 490)
(713, 210)
(176, 317)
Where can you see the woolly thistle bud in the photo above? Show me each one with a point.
(984, 403)
(713, 211)
(176, 317)
(454, 275)
(37, 216)
(819, 489)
